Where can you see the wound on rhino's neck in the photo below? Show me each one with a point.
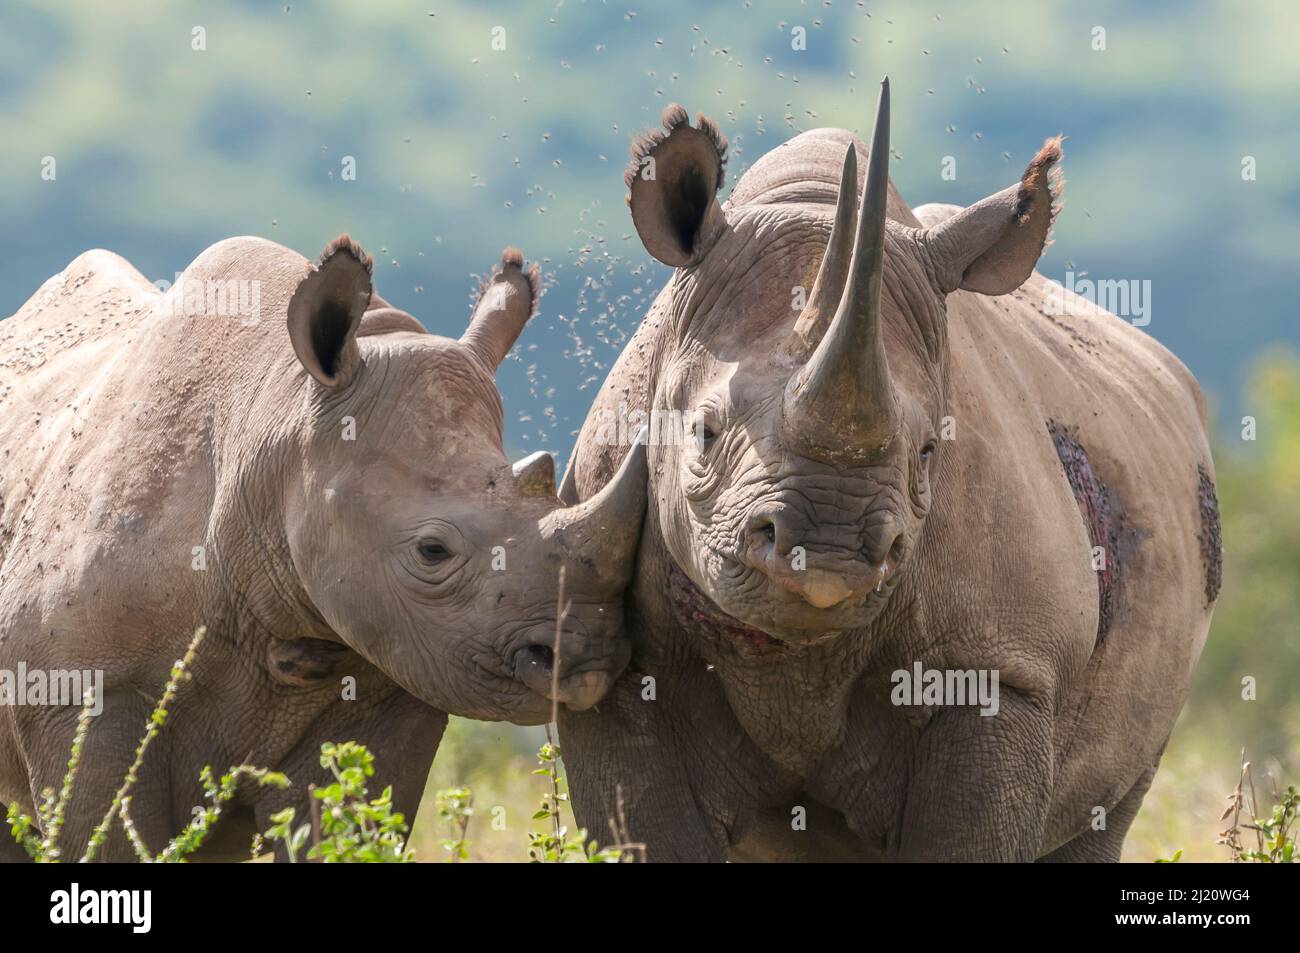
(702, 614)
(802, 720)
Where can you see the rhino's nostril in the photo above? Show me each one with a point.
(884, 544)
(543, 655)
(765, 527)
(580, 678)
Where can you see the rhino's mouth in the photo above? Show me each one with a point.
(579, 677)
(579, 685)
(696, 609)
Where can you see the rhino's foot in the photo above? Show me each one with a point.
(1104, 846)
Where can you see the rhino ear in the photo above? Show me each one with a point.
(992, 246)
(505, 303)
(673, 182)
(326, 309)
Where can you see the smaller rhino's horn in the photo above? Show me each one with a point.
(535, 474)
(604, 530)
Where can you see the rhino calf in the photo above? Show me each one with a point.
(318, 481)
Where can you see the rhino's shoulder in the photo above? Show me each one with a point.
(245, 273)
(387, 320)
(251, 258)
(932, 213)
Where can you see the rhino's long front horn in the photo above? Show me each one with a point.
(841, 402)
(604, 530)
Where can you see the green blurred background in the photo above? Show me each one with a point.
(460, 148)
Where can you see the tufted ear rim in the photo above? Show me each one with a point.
(507, 298)
(1040, 186)
(673, 179)
(512, 257)
(673, 119)
(326, 308)
(345, 244)
(992, 247)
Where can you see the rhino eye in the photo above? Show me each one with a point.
(433, 551)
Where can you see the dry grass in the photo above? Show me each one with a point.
(495, 760)
(1183, 809)
(1197, 778)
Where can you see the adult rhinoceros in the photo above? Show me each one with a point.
(272, 452)
(813, 547)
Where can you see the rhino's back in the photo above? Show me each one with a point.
(1074, 399)
(116, 399)
(1043, 349)
(71, 325)
(96, 281)
(98, 350)
(56, 353)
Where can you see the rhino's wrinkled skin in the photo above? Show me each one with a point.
(319, 482)
(818, 531)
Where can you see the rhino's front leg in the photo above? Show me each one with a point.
(638, 746)
(107, 754)
(399, 730)
(980, 785)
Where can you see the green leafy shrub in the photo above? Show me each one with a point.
(346, 827)
(349, 828)
(455, 808)
(558, 845)
(41, 840)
